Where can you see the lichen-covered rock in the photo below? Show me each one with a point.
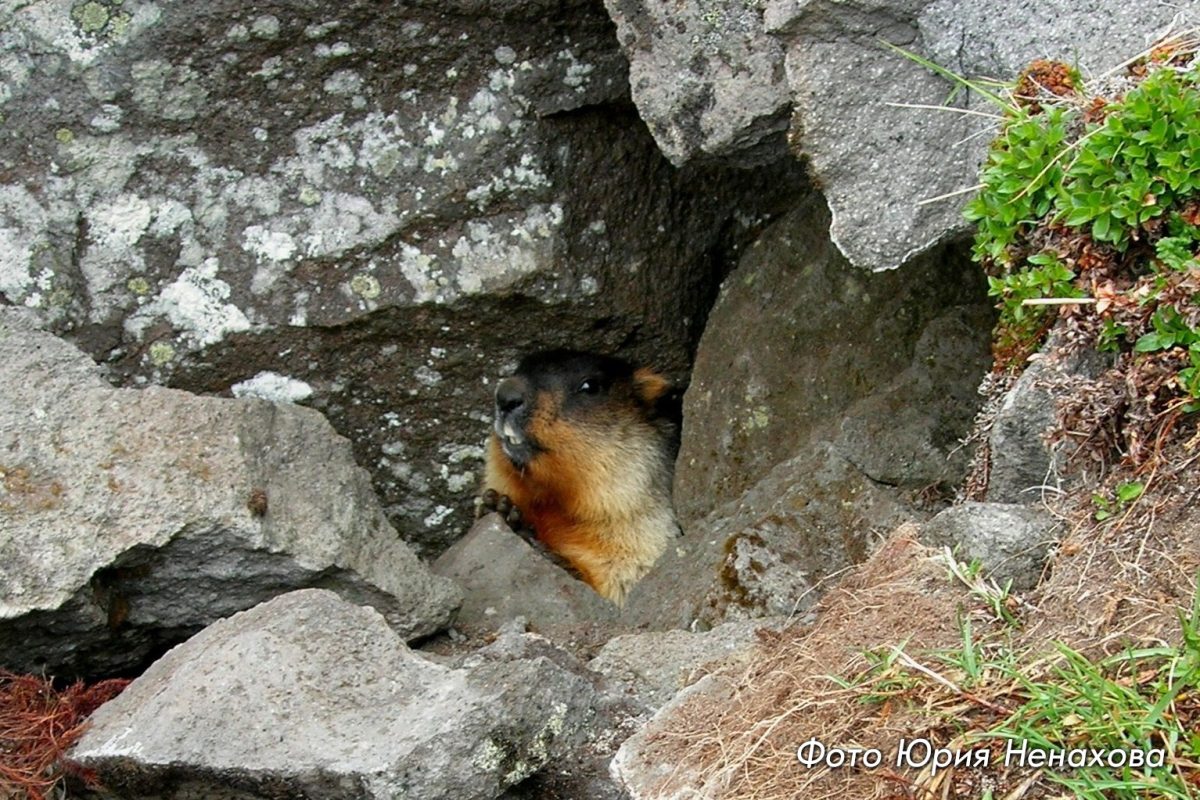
(706, 77)
(796, 338)
(826, 407)
(382, 204)
(503, 578)
(809, 520)
(308, 696)
(133, 518)
(876, 155)
(1010, 541)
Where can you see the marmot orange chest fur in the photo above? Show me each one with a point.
(584, 449)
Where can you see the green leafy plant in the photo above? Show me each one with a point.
(1170, 330)
(1139, 162)
(1125, 494)
(1019, 181)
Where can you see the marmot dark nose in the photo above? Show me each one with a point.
(510, 396)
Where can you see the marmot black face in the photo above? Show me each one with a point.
(578, 386)
(581, 447)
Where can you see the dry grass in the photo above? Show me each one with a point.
(872, 669)
(38, 723)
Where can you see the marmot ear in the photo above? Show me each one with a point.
(649, 385)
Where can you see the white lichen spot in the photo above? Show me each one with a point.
(270, 68)
(409, 70)
(589, 286)
(490, 259)
(365, 286)
(437, 352)
(577, 71)
(273, 387)
(438, 516)
(116, 224)
(456, 454)
(459, 482)
(335, 50)
(108, 119)
(436, 135)
(260, 134)
(427, 376)
(267, 245)
(196, 304)
(343, 221)
(169, 217)
(505, 55)
(417, 268)
(317, 30)
(265, 27)
(237, 33)
(343, 82)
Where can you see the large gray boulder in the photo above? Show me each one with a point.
(822, 337)
(706, 78)
(308, 696)
(385, 204)
(133, 518)
(826, 407)
(504, 579)
(876, 155)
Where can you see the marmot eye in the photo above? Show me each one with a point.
(590, 386)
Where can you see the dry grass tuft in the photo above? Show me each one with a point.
(38, 724)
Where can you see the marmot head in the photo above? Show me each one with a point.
(559, 401)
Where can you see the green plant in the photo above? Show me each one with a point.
(1143, 158)
(1170, 330)
(1019, 181)
(1189, 378)
(1139, 700)
(1125, 494)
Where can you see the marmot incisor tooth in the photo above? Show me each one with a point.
(584, 445)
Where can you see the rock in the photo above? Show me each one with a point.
(133, 518)
(772, 552)
(582, 772)
(637, 767)
(809, 520)
(503, 578)
(796, 338)
(706, 78)
(386, 205)
(654, 666)
(310, 696)
(1010, 541)
(1020, 459)
(851, 393)
(910, 432)
(876, 160)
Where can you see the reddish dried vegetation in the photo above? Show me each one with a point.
(38, 723)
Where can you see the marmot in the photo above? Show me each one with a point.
(583, 446)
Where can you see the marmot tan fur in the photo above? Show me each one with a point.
(583, 446)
